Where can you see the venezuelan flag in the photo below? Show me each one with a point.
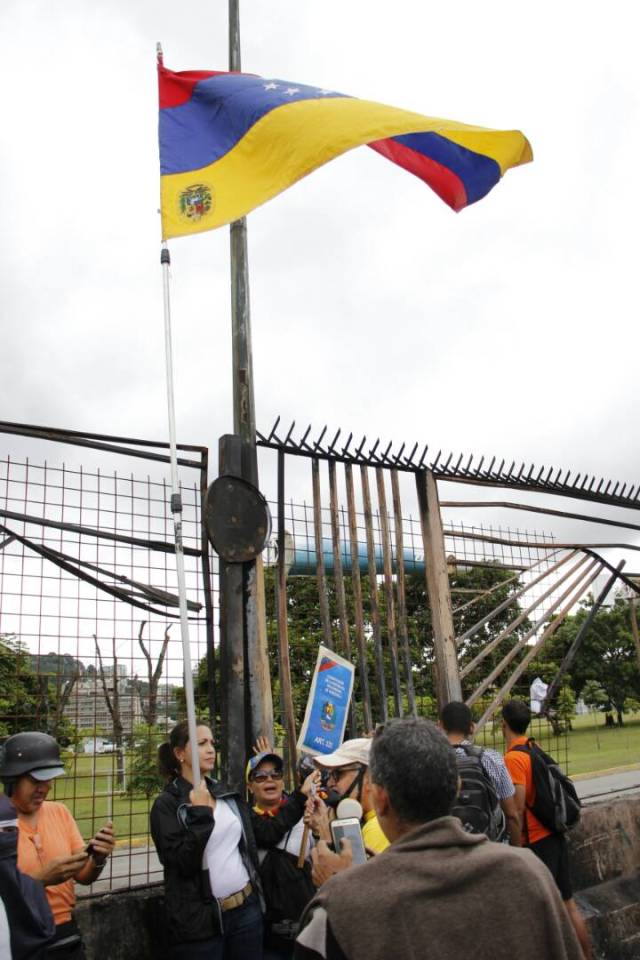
(231, 141)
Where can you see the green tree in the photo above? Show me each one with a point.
(606, 657)
(143, 776)
(19, 689)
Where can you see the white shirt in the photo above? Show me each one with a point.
(227, 872)
(292, 841)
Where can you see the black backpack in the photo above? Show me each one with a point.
(557, 805)
(477, 805)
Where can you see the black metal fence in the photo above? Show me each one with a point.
(89, 635)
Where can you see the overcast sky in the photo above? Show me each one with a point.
(510, 328)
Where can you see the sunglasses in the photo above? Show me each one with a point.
(263, 775)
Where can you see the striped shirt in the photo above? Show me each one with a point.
(496, 770)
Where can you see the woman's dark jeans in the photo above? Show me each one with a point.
(241, 940)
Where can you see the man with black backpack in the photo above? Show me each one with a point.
(547, 804)
(485, 802)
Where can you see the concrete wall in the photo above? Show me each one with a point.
(605, 855)
(605, 860)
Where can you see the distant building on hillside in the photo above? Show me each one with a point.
(87, 707)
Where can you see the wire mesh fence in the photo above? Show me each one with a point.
(89, 639)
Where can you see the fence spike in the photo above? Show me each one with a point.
(306, 434)
(424, 453)
(435, 462)
(455, 469)
(288, 437)
(359, 450)
(409, 460)
(333, 442)
(540, 472)
(398, 458)
(384, 455)
(316, 445)
(374, 448)
(273, 430)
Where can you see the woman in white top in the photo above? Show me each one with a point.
(203, 836)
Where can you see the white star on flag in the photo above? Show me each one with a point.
(292, 90)
(270, 86)
(325, 93)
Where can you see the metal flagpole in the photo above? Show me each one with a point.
(176, 510)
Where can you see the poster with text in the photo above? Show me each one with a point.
(328, 705)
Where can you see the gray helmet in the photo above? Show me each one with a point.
(34, 753)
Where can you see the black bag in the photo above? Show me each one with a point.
(287, 888)
(477, 805)
(557, 805)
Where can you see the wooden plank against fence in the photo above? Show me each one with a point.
(535, 650)
(357, 600)
(444, 646)
(373, 595)
(284, 665)
(341, 600)
(401, 593)
(321, 576)
(388, 592)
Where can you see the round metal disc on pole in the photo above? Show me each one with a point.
(237, 518)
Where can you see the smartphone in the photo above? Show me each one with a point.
(349, 829)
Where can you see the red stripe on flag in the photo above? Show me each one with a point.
(442, 180)
(176, 88)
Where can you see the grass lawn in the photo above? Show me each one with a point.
(590, 746)
(87, 791)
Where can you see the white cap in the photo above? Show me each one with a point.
(351, 751)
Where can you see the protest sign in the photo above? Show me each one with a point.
(328, 704)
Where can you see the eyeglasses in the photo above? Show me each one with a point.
(338, 773)
(263, 775)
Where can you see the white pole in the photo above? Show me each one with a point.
(176, 509)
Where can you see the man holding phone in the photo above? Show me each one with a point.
(347, 777)
(397, 904)
(50, 846)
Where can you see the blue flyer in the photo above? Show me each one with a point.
(328, 705)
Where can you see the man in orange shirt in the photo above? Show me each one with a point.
(50, 846)
(548, 846)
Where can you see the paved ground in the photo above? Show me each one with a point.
(608, 785)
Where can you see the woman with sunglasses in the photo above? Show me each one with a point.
(278, 826)
(205, 843)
